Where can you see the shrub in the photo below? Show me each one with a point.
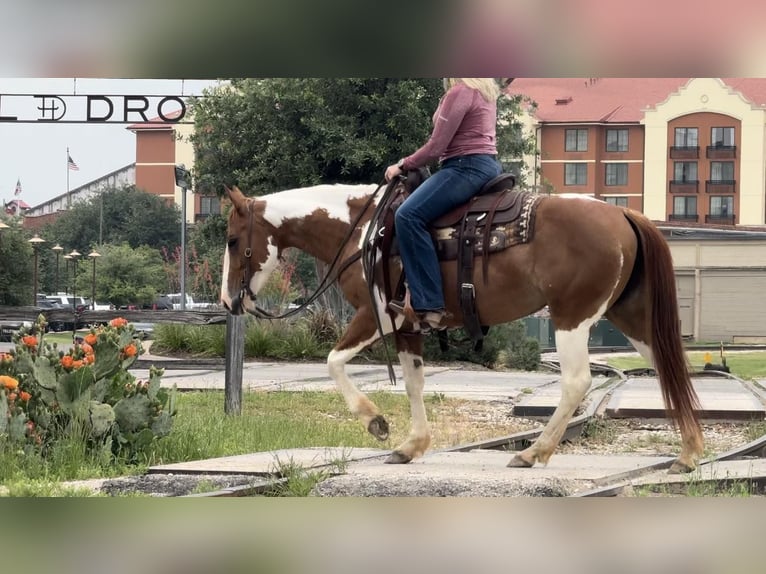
(49, 397)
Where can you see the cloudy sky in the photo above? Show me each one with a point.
(35, 153)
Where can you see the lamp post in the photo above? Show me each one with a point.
(74, 255)
(93, 255)
(66, 285)
(36, 241)
(183, 180)
(58, 249)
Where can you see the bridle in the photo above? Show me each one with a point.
(333, 272)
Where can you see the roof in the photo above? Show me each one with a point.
(19, 202)
(612, 100)
(156, 123)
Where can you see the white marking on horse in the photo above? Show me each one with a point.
(356, 400)
(225, 295)
(259, 278)
(302, 202)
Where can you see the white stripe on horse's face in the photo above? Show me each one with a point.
(299, 203)
(264, 269)
(225, 295)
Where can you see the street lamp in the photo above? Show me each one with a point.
(183, 180)
(68, 259)
(93, 255)
(36, 241)
(58, 249)
(74, 255)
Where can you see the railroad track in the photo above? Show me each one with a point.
(594, 408)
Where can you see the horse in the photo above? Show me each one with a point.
(586, 259)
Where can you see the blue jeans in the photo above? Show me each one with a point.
(458, 180)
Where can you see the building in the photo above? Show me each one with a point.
(690, 153)
(160, 146)
(677, 149)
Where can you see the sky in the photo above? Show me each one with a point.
(36, 153)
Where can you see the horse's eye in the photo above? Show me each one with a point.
(232, 242)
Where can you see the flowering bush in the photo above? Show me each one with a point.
(47, 394)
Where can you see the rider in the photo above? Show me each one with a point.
(463, 140)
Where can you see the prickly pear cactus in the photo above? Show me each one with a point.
(102, 419)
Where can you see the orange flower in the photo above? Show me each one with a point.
(67, 361)
(77, 364)
(25, 396)
(130, 350)
(29, 340)
(86, 348)
(91, 339)
(118, 322)
(89, 359)
(8, 382)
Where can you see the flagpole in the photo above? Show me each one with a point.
(68, 196)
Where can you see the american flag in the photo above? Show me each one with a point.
(18, 187)
(71, 164)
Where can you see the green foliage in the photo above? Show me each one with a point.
(129, 215)
(16, 263)
(124, 275)
(87, 394)
(277, 133)
(501, 341)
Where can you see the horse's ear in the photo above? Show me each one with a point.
(238, 199)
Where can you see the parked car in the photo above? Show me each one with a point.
(161, 303)
(175, 299)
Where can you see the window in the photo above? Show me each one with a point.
(685, 205)
(686, 137)
(617, 174)
(721, 171)
(576, 140)
(721, 206)
(616, 140)
(684, 171)
(618, 201)
(210, 205)
(575, 174)
(722, 137)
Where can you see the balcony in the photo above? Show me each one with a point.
(683, 217)
(721, 151)
(720, 219)
(684, 186)
(684, 152)
(720, 186)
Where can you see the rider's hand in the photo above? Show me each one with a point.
(392, 171)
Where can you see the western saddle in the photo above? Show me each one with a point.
(497, 218)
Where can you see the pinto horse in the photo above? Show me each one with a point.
(586, 259)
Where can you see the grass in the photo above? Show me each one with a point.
(745, 365)
(269, 421)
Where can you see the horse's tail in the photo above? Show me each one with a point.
(670, 360)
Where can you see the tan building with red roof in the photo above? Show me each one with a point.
(689, 150)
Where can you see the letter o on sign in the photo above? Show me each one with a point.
(164, 101)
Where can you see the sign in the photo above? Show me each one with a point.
(91, 109)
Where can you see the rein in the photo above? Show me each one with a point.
(329, 278)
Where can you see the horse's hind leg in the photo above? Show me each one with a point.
(572, 348)
(360, 333)
(410, 348)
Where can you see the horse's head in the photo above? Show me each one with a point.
(250, 256)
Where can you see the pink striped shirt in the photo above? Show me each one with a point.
(464, 123)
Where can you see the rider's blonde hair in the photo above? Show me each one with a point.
(487, 86)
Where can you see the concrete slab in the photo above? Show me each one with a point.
(720, 398)
(267, 463)
(545, 399)
(481, 473)
(729, 471)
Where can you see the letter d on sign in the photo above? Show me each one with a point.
(93, 118)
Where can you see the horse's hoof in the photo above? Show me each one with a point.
(679, 467)
(518, 462)
(398, 457)
(378, 428)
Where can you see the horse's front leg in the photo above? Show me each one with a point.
(360, 333)
(410, 349)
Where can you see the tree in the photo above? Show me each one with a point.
(271, 134)
(124, 275)
(118, 215)
(16, 262)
